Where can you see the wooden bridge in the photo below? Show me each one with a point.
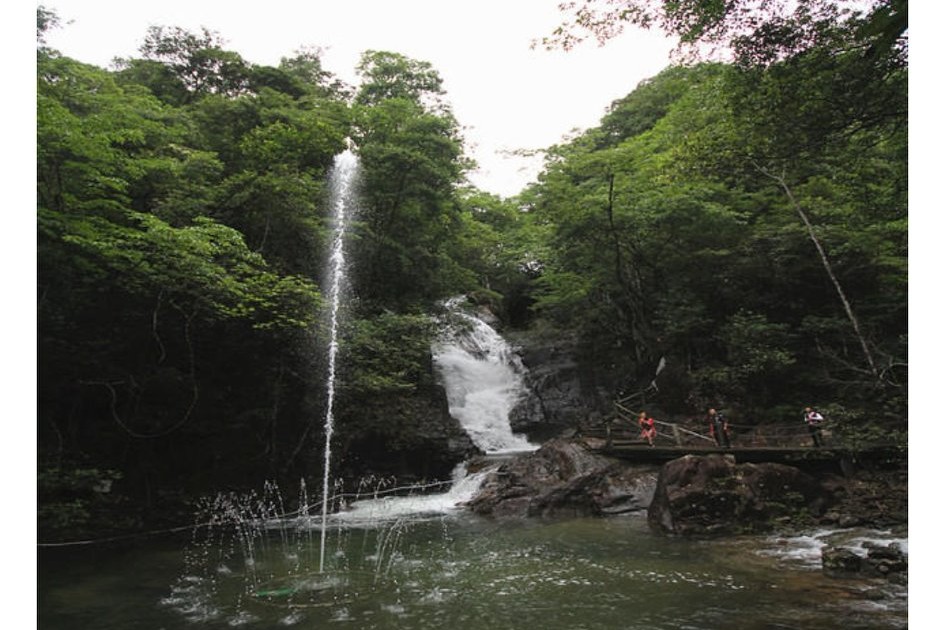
(783, 443)
(641, 451)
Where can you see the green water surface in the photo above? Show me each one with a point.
(458, 572)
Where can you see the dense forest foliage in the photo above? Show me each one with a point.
(183, 226)
(744, 223)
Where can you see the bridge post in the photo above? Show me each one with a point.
(676, 435)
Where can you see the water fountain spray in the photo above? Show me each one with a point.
(342, 201)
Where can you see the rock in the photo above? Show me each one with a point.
(564, 479)
(873, 498)
(887, 562)
(701, 495)
(840, 562)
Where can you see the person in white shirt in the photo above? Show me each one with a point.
(813, 420)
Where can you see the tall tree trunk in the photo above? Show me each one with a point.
(827, 267)
(632, 298)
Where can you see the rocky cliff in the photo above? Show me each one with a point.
(562, 394)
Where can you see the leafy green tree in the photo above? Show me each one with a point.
(387, 75)
(499, 246)
(161, 79)
(811, 80)
(306, 67)
(755, 355)
(198, 60)
(389, 404)
(46, 20)
(812, 114)
(411, 158)
(757, 31)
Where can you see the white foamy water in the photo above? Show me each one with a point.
(806, 549)
(370, 512)
(483, 378)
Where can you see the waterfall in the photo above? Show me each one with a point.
(482, 375)
(483, 378)
(341, 182)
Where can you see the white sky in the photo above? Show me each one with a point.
(505, 95)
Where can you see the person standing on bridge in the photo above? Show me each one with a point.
(813, 420)
(718, 428)
(647, 427)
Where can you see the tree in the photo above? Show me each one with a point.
(306, 67)
(386, 75)
(411, 157)
(46, 19)
(755, 31)
(198, 60)
(662, 239)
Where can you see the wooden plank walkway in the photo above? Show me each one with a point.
(641, 452)
(645, 453)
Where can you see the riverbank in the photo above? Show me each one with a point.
(695, 495)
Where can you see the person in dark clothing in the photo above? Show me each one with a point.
(814, 420)
(718, 428)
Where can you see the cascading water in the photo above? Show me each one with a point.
(372, 512)
(484, 379)
(343, 200)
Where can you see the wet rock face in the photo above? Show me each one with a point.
(710, 495)
(564, 479)
(559, 396)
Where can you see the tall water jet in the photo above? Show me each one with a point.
(343, 204)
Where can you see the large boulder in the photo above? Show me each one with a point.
(708, 495)
(564, 478)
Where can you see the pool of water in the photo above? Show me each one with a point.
(458, 571)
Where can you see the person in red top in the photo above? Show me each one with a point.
(647, 427)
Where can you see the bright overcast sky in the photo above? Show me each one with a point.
(506, 95)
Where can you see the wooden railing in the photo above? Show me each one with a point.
(622, 429)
